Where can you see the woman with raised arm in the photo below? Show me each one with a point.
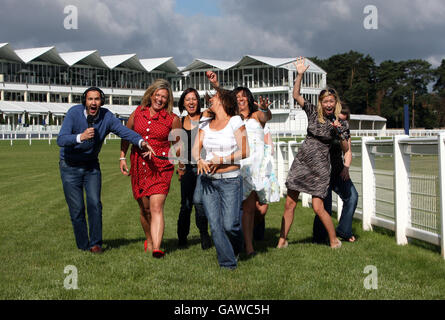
(341, 184)
(151, 174)
(225, 143)
(311, 169)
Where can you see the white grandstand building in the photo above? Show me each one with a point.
(39, 85)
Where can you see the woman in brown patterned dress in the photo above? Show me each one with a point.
(311, 169)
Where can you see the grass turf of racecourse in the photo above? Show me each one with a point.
(37, 244)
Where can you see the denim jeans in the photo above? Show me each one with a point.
(349, 195)
(189, 184)
(76, 179)
(222, 202)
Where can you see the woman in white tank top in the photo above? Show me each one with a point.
(256, 185)
(225, 142)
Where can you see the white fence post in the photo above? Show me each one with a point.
(441, 157)
(368, 185)
(280, 168)
(290, 153)
(402, 199)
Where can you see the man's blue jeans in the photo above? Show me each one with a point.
(222, 202)
(349, 195)
(76, 179)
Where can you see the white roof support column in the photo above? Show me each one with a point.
(291, 88)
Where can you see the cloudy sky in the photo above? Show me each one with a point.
(229, 29)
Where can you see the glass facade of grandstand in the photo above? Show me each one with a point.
(83, 76)
(48, 79)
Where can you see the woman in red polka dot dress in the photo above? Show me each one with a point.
(150, 175)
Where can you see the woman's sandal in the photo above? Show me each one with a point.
(337, 246)
(352, 238)
(285, 245)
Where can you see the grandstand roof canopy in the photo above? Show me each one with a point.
(287, 63)
(132, 62)
(129, 61)
(312, 66)
(7, 53)
(253, 60)
(209, 64)
(91, 58)
(19, 107)
(46, 54)
(163, 64)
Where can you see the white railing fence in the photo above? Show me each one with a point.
(35, 132)
(286, 131)
(400, 181)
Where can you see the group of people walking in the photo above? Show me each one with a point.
(224, 164)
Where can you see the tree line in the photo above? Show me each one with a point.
(367, 88)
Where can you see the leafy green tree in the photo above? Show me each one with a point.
(353, 75)
(439, 86)
(384, 89)
(417, 75)
(437, 100)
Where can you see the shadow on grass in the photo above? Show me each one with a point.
(117, 243)
(170, 245)
(415, 242)
(270, 241)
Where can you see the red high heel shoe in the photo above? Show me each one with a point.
(158, 254)
(145, 245)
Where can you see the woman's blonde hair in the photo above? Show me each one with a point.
(323, 94)
(156, 85)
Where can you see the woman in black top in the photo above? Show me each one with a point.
(187, 171)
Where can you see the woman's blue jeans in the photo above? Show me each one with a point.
(222, 200)
(76, 179)
(349, 195)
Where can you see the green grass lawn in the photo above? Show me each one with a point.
(37, 243)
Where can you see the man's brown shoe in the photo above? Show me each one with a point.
(96, 249)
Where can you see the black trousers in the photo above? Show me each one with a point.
(190, 183)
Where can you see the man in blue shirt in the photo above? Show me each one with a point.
(81, 137)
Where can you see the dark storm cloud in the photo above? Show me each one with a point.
(280, 28)
(406, 29)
